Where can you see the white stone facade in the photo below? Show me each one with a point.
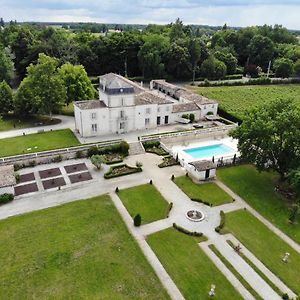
(124, 106)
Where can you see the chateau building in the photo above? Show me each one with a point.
(125, 106)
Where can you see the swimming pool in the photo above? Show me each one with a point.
(209, 151)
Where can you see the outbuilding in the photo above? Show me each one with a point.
(202, 170)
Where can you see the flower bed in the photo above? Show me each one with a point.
(168, 161)
(121, 170)
(113, 158)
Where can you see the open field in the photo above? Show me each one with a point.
(266, 246)
(192, 271)
(145, 200)
(237, 99)
(80, 250)
(258, 190)
(207, 192)
(11, 122)
(38, 142)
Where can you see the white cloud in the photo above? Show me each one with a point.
(211, 12)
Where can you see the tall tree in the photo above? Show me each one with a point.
(6, 66)
(77, 83)
(283, 67)
(6, 98)
(43, 89)
(269, 136)
(195, 55)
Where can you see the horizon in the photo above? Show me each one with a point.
(235, 13)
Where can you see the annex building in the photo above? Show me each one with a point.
(125, 106)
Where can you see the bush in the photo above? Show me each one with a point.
(151, 144)
(92, 151)
(17, 176)
(117, 190)
(137, 220)
(222, 222)
(285, 297)
(5, 198)
(57, 159)
(185, 231)
(124, 148)
(97, 161)
(32, 163)
(192, 117)
(138, 164)
(185, 116)
(79, 154)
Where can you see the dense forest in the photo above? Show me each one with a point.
(174, 51)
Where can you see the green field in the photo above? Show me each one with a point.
(192, 271)
(38, 142)
(237, 99)
(11, 122)
(208, 192)
(266, 246)
(80, 250)
(258, 190)
(145, 200)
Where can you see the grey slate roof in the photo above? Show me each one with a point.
(7, 176)
(90, 104)
(185, 107)
(145, 98)
(203, 165)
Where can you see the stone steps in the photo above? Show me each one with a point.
(136, 148)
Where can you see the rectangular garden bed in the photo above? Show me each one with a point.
(121, 170)
(80, 177)
(168, 161)
(53, 183)
(75, 168)
(50, 173)
(26, 177)
(26, 189)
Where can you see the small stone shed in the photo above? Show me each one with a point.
(7, 179)
(202, 169)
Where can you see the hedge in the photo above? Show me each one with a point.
(151, 144)
(222, 222)
(122, 147)
(169, 208)
(201, 201)
(129, 170)
(5, 198)
(168, 161)
(185, 231)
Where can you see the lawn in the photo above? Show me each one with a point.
(11, 122)
(266, 246)
(145, 200)
(38, 142)
(80, 250)
(258, 190)
(207, 192)
(237, 99)
(192, 271)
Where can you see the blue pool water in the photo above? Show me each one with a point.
(209, 151)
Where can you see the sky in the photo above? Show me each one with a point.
(209, 12)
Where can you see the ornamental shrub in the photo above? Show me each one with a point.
(5, 198)
(137, 220)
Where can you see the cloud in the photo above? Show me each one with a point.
(211, 12)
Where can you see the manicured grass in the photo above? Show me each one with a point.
(236, 100)
(38, 142)
(192, 271)
(11, 122)
(231, 268)
(145, 200)
(266, 246)
(80, 250)
(207, 192)
(258, 190)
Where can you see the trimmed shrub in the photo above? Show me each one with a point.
(138, 164)
(92, 151)
(117, 190)
(17, 176)
(57, 159)
(5, 198)
(151, 144)
(150, 182)
(222, 222)
(169, 208)
(79, 154)
(124, 148)
(192, 118)
(185, 231)
(32, 163)
(137, 220)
